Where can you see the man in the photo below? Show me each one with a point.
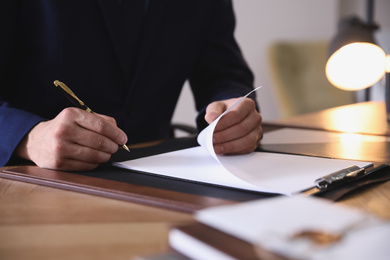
(128, 60)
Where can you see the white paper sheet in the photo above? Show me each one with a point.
(263, 172)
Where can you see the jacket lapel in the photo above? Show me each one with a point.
(111, 11)
(153, 21)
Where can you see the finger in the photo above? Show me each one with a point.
(93, 140)
(102, 127)
(85, 154)
(214, 110)
(236, 115)
(94, 123)
(246, 144)
(74, 134)
(239, 130)
(67, 156)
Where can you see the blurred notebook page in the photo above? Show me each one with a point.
(274, 223)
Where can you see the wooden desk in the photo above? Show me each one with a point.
(38, 222)
(365, 118)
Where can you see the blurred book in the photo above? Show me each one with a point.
(283, 228)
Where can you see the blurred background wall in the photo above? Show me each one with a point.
(263, 22)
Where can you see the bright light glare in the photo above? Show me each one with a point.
(350, 138)
(356, 66)
(388, 63)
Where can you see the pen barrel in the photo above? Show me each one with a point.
(76, 102)
(339, 177)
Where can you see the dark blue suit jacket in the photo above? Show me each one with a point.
(86, 45)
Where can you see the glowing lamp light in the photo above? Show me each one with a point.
(355, 61)
(388, 64)
(356, 66)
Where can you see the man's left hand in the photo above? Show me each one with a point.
(237, 132)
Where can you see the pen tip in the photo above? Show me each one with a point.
(56, 83)
(126, 148)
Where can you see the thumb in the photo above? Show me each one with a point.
(214, 110)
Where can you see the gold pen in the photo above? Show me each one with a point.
(76, 101)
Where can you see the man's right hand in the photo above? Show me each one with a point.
(74, 140)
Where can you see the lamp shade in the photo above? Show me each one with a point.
(355, 61)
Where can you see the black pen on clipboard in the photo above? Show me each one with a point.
(76, 101)
(340, 177)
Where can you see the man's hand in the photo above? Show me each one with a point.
(237, 132)
(74, 140)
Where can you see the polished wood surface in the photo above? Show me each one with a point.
(365, 118)
(131, 187)
(39, 222)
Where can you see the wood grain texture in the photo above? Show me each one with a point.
(39, 222)
(365, 118)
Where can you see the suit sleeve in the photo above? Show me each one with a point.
(221, 71)
(14, 123)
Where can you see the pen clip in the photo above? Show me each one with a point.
(71, 96)
(339, 177)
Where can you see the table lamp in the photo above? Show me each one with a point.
(355, 60)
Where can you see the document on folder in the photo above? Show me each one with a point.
(258, 171)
